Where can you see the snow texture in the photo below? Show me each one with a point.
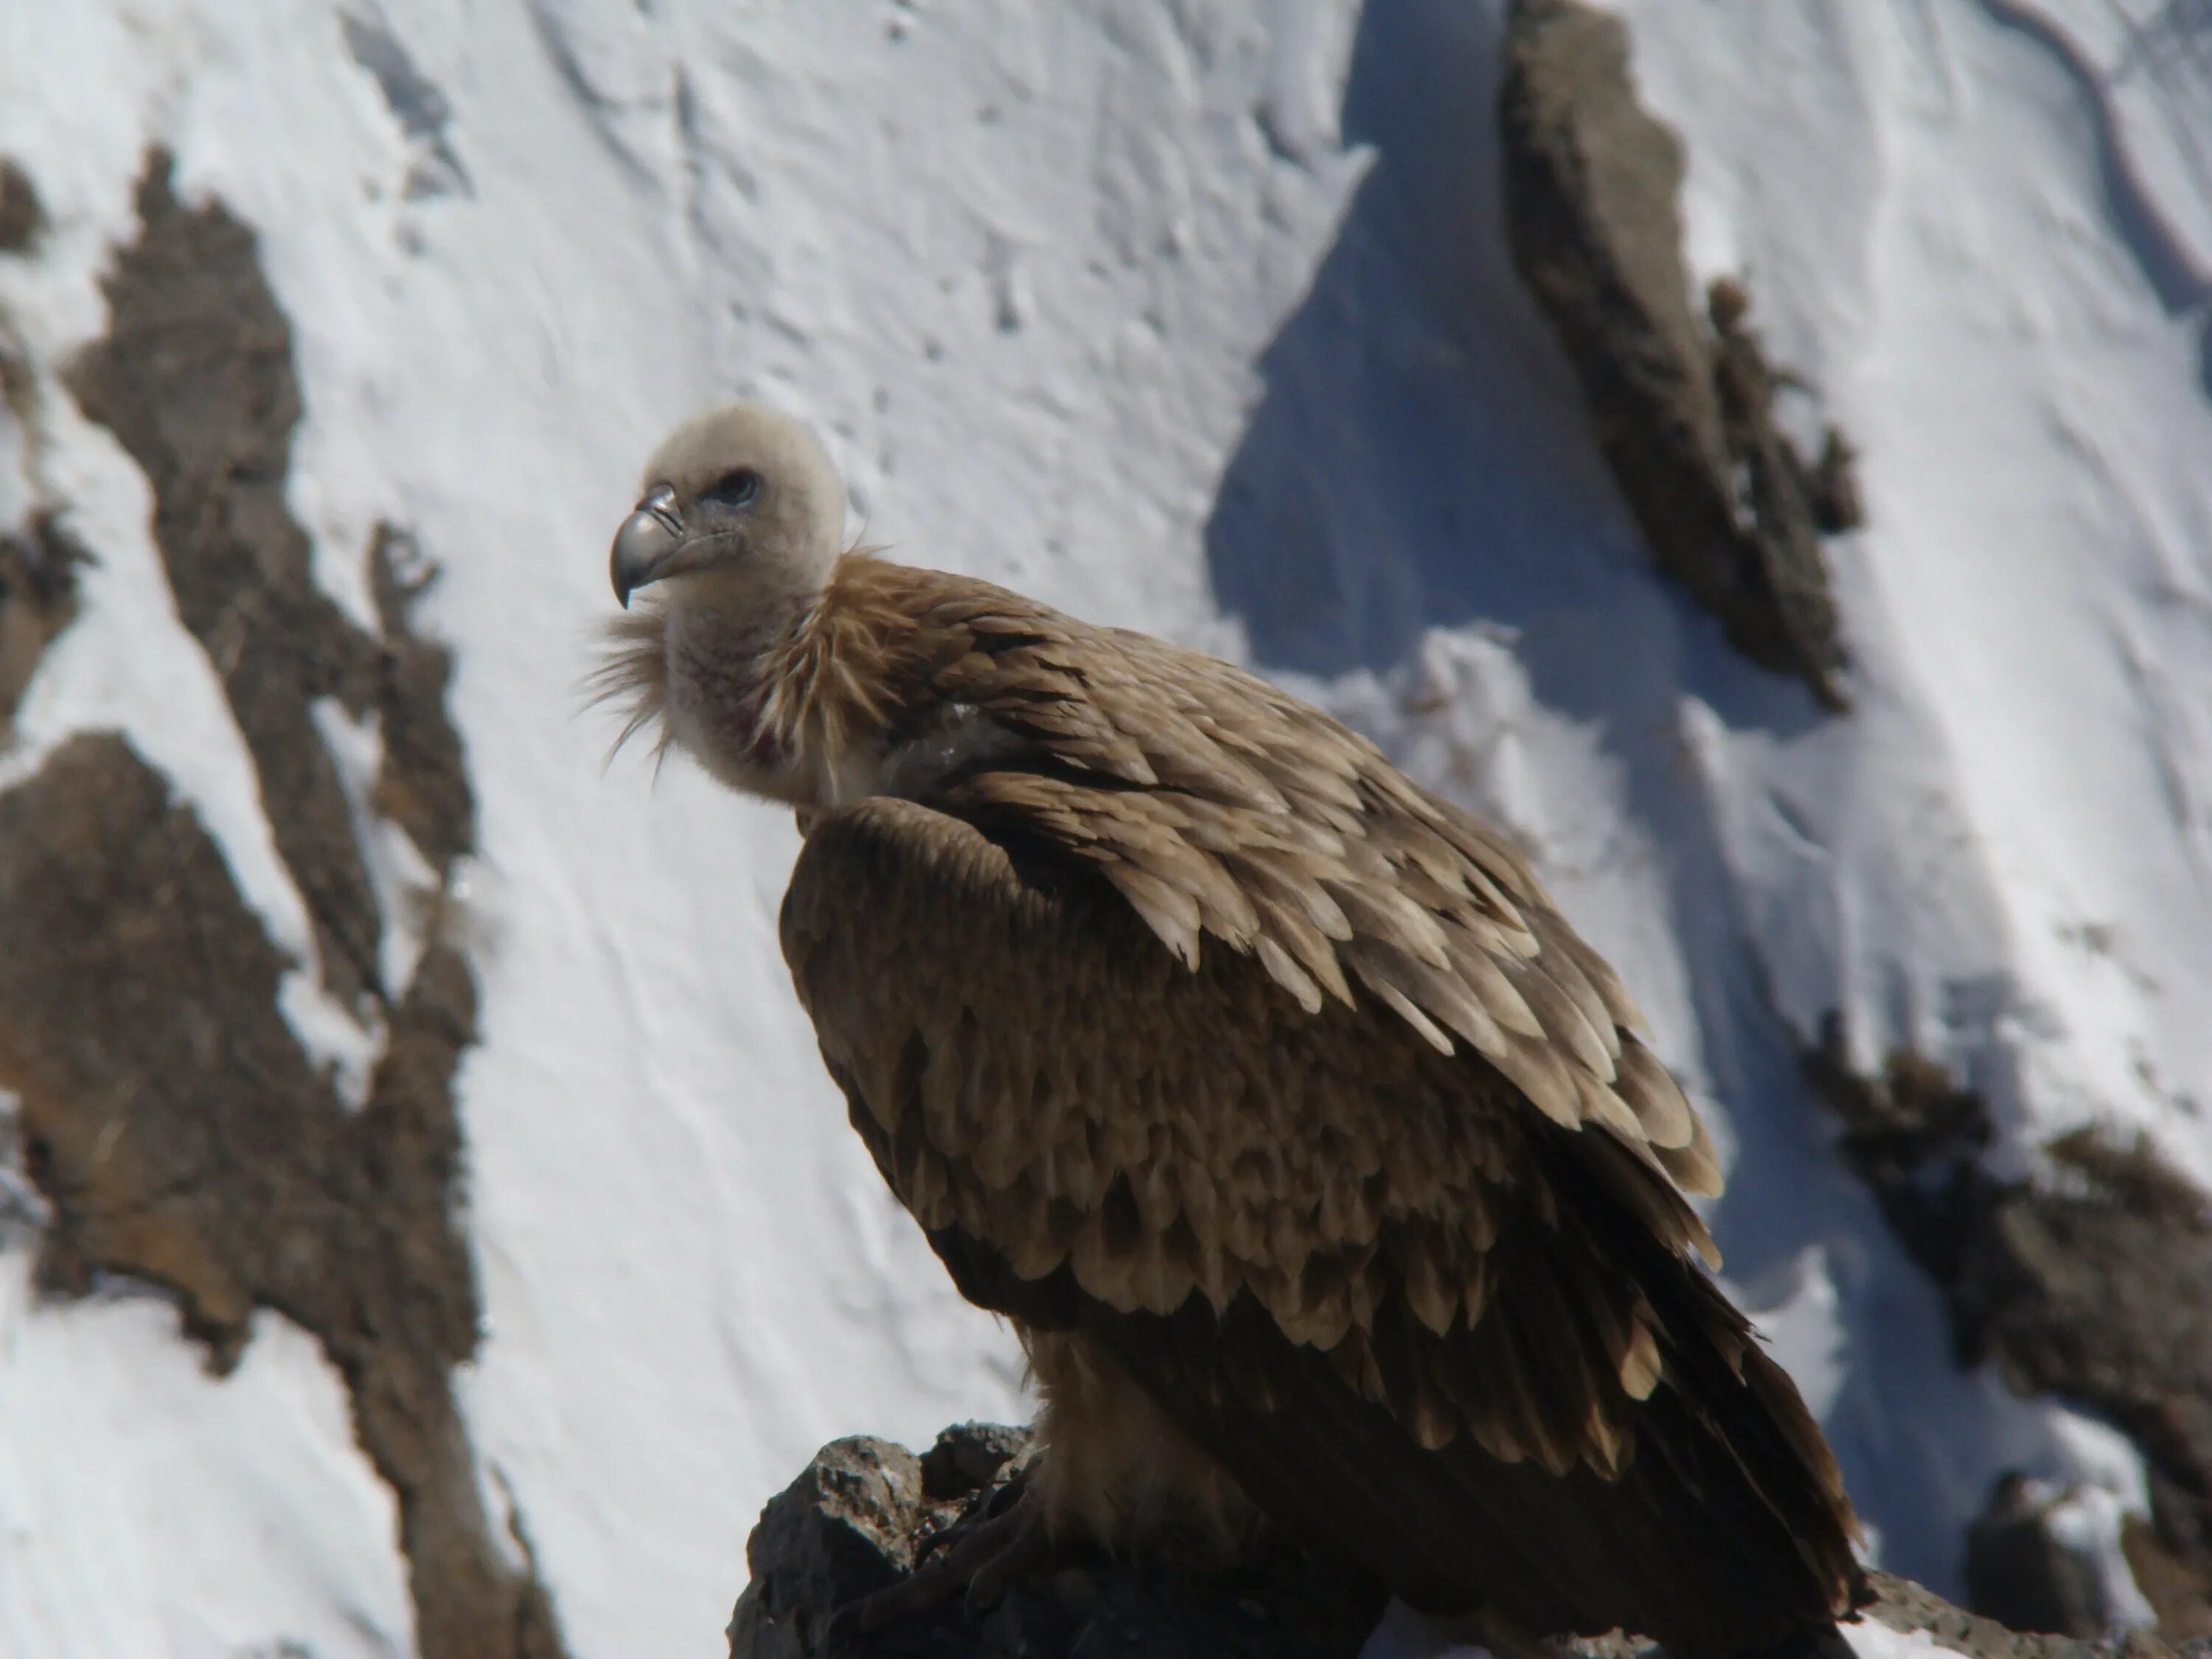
(1191, 315)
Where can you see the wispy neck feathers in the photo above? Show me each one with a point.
(812, 709)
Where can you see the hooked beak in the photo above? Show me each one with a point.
(649, 540)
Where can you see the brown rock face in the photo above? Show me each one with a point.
(177, 1130)
(21, 216)
(1684, 415)
(2096, 1290)
(180, 1136)
(194, 378)
(38, 599)
(865, 1512)
(2022, 1573)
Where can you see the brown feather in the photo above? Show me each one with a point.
(1190, 1027)
(1516, 1320)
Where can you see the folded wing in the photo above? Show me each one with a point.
(1425, 1318)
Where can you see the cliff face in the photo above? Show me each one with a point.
(177, 1130)
(1681, 398)
(2089, 1288)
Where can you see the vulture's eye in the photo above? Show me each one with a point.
(733, 489)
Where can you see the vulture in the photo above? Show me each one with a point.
(1319, 1165)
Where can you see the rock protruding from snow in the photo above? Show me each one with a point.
(22, 216)
(1729, 509)
(2020, 1570)
(1912, 1610)
(180, 1137)
(37, 597)
(175, 1123)
(866, 1513)
(2094, 1286)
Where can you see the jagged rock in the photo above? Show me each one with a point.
(847, 1527)
(1904, 1605)
(174, 1128)
(1916, 1139)
(21, 216)
(194, 378)
(865, 1512)
(2095, 1288)
(2020, 1573)
(38, 598)
(1790, 501)
(968, 1457)
(1685, 421)
(2100, 1291)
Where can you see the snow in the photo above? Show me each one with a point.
(149, 1507)
(1873, 1640)
(1188, 316)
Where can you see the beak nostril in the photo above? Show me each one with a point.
(660, 502)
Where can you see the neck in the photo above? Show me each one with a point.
(733, 700)
(814, 702)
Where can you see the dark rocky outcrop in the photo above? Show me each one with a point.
(2022, 1573)
(39, 556)
(177, 1131)
(38, 598)
(1683, 410)
(195, 378)
(2094, 1288)
(180, 1136)
(865, 1511)
(1916, 1139)
(1904, 1605)
(22, 216)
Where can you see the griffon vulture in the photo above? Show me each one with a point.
(1316, 1161)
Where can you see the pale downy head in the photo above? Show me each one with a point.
(740, 524)
(739, 506)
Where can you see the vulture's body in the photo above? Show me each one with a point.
(1316, 1159)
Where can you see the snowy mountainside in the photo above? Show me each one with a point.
(1194, 317)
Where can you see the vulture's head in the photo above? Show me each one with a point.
(739, 506)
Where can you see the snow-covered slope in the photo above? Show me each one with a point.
(1192, 315)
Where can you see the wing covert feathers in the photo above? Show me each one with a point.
(1232, 816)
(1312, 1232)
(1367, 1168)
